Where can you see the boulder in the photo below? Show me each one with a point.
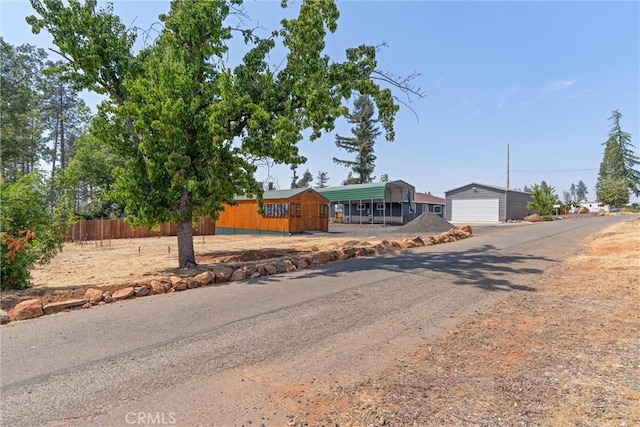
(157, 287)
(56, 307)
(141, 291)
(321, 258)
(26, 310)
(287, 265)
(93, 295)
(4, 317)
(221, 273)
(123, 293)
(180, 286)
(533, 218)
(466, 229)
(239, 274)
(204, 278)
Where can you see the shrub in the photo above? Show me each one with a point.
(29, 232)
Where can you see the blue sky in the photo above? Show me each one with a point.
(542, 77)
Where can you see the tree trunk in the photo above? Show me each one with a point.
(186, 253)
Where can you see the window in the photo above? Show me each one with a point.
(380, 206)
(275, 210)
(425, 208)
(324, 211)
(437, 209)
(295, 209)
(361, 207)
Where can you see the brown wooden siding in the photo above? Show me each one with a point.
(303, 214)
(104, 229)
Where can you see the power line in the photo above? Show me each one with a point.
(554, 171)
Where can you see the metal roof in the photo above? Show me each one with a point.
(374, 190)
(493, 187)
(279, 194)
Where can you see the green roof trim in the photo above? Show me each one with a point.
(279, 194)
(374, 190)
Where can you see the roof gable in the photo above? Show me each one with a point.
(492, 187)
(374, 190)
(281, 194)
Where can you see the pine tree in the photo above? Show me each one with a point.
(305, 181)
(323, 179)
(617, 166)
(361, 143)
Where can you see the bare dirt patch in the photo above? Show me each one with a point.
(568, 354)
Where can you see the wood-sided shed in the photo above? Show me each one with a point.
(374, 203)
(284, 212)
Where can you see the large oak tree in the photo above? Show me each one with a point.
(191, 125)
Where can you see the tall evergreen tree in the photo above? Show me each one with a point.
(323, 179)
(20, 119)
(618, 164)
(361, 143)
(305, 181)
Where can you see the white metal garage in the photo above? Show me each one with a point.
(475, 210)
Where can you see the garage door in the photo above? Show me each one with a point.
(475, 210)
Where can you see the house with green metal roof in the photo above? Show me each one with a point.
(374, 203)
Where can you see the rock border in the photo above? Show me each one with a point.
(220, 274)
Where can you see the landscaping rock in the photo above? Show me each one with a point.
(302, 264)
(239, 274)
(270, 269)
(123, 293)
(174, 280)
(221, 273)
(141, 291)
(56, 307)
(26, 310)
(4, 317)
(192, 284)
(285, 266)
(321, 258)
(157, 287)
(534, 218)
(93, 295)
(107, 299)
(466, 229)
(582, 210)
(180, 286)
(204, 278)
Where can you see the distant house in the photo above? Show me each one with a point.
(284, 212)
(486, 203)
(425, 202)
(374, 203)
(592, 206)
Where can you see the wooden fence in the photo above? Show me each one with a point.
(104, 229)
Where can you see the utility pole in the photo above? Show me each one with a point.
(507, 166)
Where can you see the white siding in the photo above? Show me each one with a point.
(475, 210)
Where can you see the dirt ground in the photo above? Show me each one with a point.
(566, 355)
(115, 264)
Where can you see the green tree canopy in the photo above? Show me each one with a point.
(189, 124)
(544, 197)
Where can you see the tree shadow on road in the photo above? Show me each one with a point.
(483, 267)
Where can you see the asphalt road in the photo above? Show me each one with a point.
(180, 358)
